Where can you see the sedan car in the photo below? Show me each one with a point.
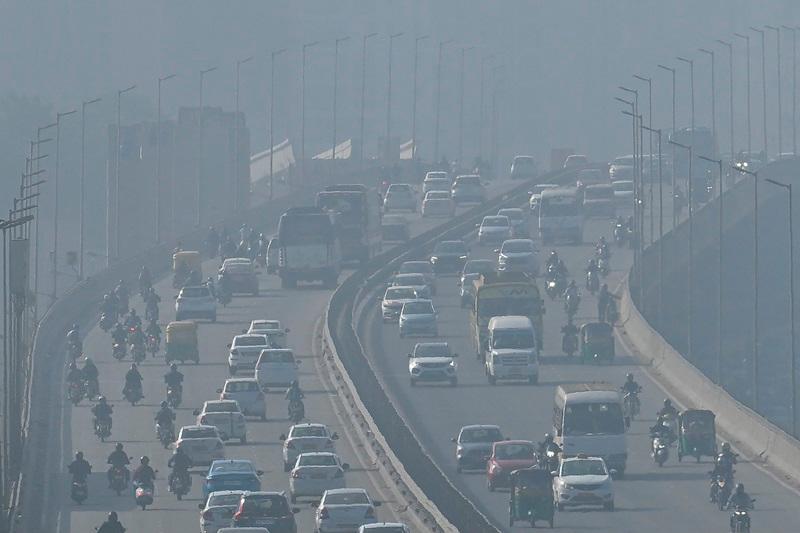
(394, 228)
(468, 189)
(276, 334)
(306, 438)
(316, 472)
(438, 203)
(241, 275)
(226, 416)
(417, 281)
(420, 267)
(385, 527)
(583, 481)
(474, 446)
(393, 300)
(344, 511)
(231, 474)
(432, 361)
(518, 219)
(276, 367)
(436, 181)
(218, 510)
(195, 302)
(507, 456)
(418, 317)
(400, 196)
(247, 393)
(202, 444)
(523, 167)
(518, 255)
(472, 270)
(494, 230)
(244, 350)
(449, 257)
(270, 510)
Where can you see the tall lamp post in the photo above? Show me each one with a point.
(82, 184)
(442, 44)
(59, 116)
(794, 87)
(414, 101)
(746, 39)
(710, 54)
(157, 180)
(303, 109)
(660, 224)
(364, 40)
(201, 152)
(672, 71)
(335, 87)
(464, 50)
(236, 134)
(762, 33)
(272, 57)
(388, 142)
(650, 130)
(115, 254)
(482, 105)
(690, 280)
(777, 30)
(729, 46)
(638, 215)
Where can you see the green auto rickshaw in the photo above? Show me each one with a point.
(181, 342)
(696, 434)
(596, 342)
(531, 496)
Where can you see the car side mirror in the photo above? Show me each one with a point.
(282, 437)
(228, 345)
(377, 504)
(554, 473)
(335, 436)
(298, 363)
(345, 466)
(196, 412)
(175, 297)
(313, 504)
(259, 472)
(497, 250)
(477, 225)
(295, 510)
(244, 331)
(201, 506)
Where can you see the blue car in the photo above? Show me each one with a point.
(231, 474)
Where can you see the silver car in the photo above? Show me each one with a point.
(474, 446)
(418, 317)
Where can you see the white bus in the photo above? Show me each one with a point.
(560, 215)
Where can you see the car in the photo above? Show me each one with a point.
(587, 176)
(598, 200)
(468, 189)
(417, 281)
(448, 257)
(231, 474)
(241, 275)
(576, 160)
(438, 203)
(420, 267)
(393, 300)
(276, 367)
(344, 511)
(247, 393)
(243, 351)
(518, 255)
(217, 511)
(400, 196)
(432, 361)
(518, 219)
(621, 168)
(244, 530)
(385, 527)
(226, 416)
(474, 446)
(315, 472)
(276, 334)
(582, 481)
(623, 191)
(472, 270)
(494, 230)
(536, 195)
(202, 444)
(418, 317)
(306, 438)
(195, 302)
(436, 181)
(395, 228)
(268, 509)
(507, 456)
(523, 167)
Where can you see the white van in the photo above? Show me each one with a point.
(587, 419)
(276, 367)
(513, 353)
(560, 215)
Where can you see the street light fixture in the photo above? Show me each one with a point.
(464, 50)
(82, 185)
(777, 30)
(306, 46)
(794, 87)
(482, 105)
(762, 33)
(201, 155)
(710, 53)
(650, 130)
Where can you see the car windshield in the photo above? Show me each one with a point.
(308, 431)
(513, 339)
(593, 419)
(216, 500)
(623, 186)
(495, 222)
(468, 181)
(346, 498)
(400, 293)
(221, 407)
(479, 266)
(232, 467)
(523, 161)
(256, 340)
(512, 214)
(480, 435)
(517, 247)
(437, 195)
(515, 452)
(403, 188)
(450, 247)
(432, 349)
(194, 292)
(317, 460)
(241, 386)
(418, 308)
(409, 279)
(586, 467)
(413, 267)
(267, 324)
(198, 433)
(265, 505)
(276, 356)
(598, 193)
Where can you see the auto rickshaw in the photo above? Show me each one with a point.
(531, 496)
(596, 341)
(181, 342)
(696, 434)
(183, 263)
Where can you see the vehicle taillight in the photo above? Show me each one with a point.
(323, 513)
(234, 352)
(370, 513)
(290, 445)
(208, 515)
(202, 420)
(237, 516)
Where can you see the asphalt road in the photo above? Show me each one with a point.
(672, 498)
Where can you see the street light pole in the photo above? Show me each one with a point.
(335, 86)
(82, 185)
(794, 87)
(763, 87)
(650, 130)
(272, 56)
(464, 50)
(200, 159)
(482, 105)
(388, 141)
(690, 281)
(236, 134)
(749, 127)
(718, 360)
(442, 44)
(59, 116)
(157, 180)
(777, 31)
(660, 226)
(710, 53)
(414, 102)
(363, 93)
(303, 110)
(672, 71)
(730, 90)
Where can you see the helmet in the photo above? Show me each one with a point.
(740, 488)
(119, 447)
(72, 365)
(629, 376)
(102, 399)
(726, 447)
(106, 296)
(112, 516)
(79, 456)
(173, 367)
(88, 361)
(553, 253)
(75, 327)
(548, 437)
(133, 366)
(164, 404)
(667, 402)
(144, 460)
(572, 283)
(592, 261)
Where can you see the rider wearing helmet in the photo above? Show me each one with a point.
(144, 474)
(180, 463)
(74, 375)
(740, 498)
(79, 468)
(153, 329)
(74, 338)
(548, 445)
(111, 525)
(102, 411)
(165, 416)
(294, 393)
(668, 409)
(630, 385)
(118, 459)
(133, 380)
(552, 260)
(174, 378)
(133, 320)
(90, 372)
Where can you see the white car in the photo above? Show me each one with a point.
(416, 281)
(385, 527)
(202, 444)
(247, 393)
(244, 350)
(494, 230)
(226, 416)
(393, 300)
(583, 481)
(306, 438)
(344, 511)
(575, 160)
(195, 302)
(272, 329)
(438, 203)
(623, 191)
(316, 472)
(420, 267)
(218, 510)
(432, 361)
(436, 181)
(518, 255)
(400, 196)
(519, 222)
(276, 367)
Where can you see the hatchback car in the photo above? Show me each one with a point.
(316, 472)
(575, 160)
(494, 230)
(276, 367)
(231, 474)
(394, 228)
(518, 255)
(218, 510)
(393, 300)
(473, 269)
(247, 393)
(270, 510)
(416, 281)
(448, 257)
(438, 203)
(436, 180)
(344, 511)
(523, 167)
(306, 438)
(202, 444)
(418, 317)
(468, 189)
(583, 481)
(195, 302)
(241, 275)
(432, 361)
(519, 222)
(244, 350)
(507, 456)
(276, 334)
(400, 196)
(420, 267)
(474, 445)
(226, 416)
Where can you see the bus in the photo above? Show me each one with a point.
(306, 248)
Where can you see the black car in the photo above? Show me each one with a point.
(448, 257)
(269, 510)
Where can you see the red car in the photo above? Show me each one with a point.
(507, 456)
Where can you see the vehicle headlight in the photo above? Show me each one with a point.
(434, 259)
(452, 364)
(462, 257)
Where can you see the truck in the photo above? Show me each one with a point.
(306, 248)
(358, 211)
(503, 294)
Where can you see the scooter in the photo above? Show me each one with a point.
(619, 234)
(119, 479)
(143, 495)
(153, 344)
(660, 451)
(79, 491)
(118, 351)
(721, 486)
(740, 520)
(102, 429)
(297, 411)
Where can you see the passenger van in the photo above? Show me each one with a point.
(560, 215)
(512, 352)
(587, 419)
(276, 367)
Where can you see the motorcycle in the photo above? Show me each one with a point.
(151, 312)
(174, 395)
(549, 459)
(76, 392)
(166, 434)
(79, 491)
(119, 479)
(740, 520)
(297, 411)
(721, 487)
(571, 304)
(153, 344)
(592, 282)
(569, 343)
(619, 234)
(179, 484)
(138, 352)
(602, 265)
(133, 394)
(660, 451)
(118, 351)
(630, 407)
(106, 322)
(143, 495)
(102, 428)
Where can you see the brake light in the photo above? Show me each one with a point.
(370, 513)
(323, 513)
(208, 515)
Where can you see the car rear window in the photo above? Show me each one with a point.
(254, 340)
(481, 435)
(450, 247)
(308, 431)
(346, 498)
(515, 451)
(437, 195)
(495, 221)
(241, 386)
(417, 308)
(399, 293)
(265, 505)
(221, 407)
(479, 266)
(234, 467)
(276, 357)
(468, 181)
(409, 279)
(317, 460)
(412, 267)
(198, 433)
(216, 500)
(517, 247)
(194, 292)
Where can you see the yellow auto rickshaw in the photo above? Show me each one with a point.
(185, 263)
(181, 342)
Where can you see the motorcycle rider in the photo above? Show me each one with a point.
(133, 320)
(602, 249)
(212, 242)
(165, 417)
(91, 375)
(111, 525)
(174, 378)
(592, 267)
(571, 291)
(153, 329)
(180, 463)
(294, 393)
(224, 286)
(211, 287)
(144, 474)
(568, 330)
(109, 306)
(552, 260)
(118, 459)
(74, 338)
(145, 280)
(79, 468)
(119, 334)
(668, 409)
(662, 430)
(604, 298)
(548, 445)
(630, 385)
(723, 464)
(102, 412)
(740, 498)
(133, 381)
(151, 301)
(74, 375)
